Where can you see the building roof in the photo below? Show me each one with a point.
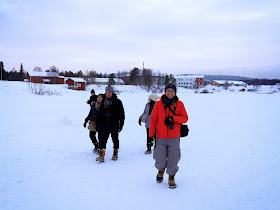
(189, 76)
(77, 79)
(42, 74)
(117, 80)
(229, 82)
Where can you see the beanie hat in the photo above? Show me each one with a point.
(109, 88)
(170, 86)
(92, 91)
(153, 97)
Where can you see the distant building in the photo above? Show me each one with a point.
(190, 80)
(76, 83)
(105, 81)
(227, 82)
(44, 77)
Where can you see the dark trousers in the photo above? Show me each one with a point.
(105, 132)
(149, 139)
(92, 136)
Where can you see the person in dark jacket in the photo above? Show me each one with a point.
(92, 117)
(92, 98)
(110, 120)
(145, 117)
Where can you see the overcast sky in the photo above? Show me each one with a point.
(236, 37)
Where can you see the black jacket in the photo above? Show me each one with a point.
(112, 115)
(92, 115)
(92, 99)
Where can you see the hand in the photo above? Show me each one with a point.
(120, 128)
(88, 102)
(139, 122)
(85, 124)
(169, 121)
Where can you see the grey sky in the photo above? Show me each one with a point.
(201, 36)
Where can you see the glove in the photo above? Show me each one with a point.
(120, 128)
(139, 122)
(88, 102)
(85, 124)
(169, 121)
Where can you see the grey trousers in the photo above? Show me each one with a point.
(167, 154)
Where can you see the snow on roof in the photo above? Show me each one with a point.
(189, 76)
(42, 74)
(229, 82)
(77, 79)
(117, 80)
(101, 79)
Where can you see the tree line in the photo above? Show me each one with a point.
(143, 77)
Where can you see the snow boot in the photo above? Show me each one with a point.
(149, 149)
(171, 182)
(101, 155)
(115, 154)
(160, 176)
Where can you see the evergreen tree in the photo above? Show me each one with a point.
(166, 80)
(172, 79)
(21, 72)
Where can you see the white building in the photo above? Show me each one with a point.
(105, 81)
(189, 80)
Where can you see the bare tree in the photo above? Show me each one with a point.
(39, 69)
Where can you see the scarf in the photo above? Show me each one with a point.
(167, 100)
(107, 102)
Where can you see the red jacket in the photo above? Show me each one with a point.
(159, 114)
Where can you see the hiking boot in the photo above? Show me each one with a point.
(148, 152)
(101, 155)
(115, 154)
(160, 176)
(149, 149)
(171, 182)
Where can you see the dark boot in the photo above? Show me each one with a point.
(149, 149)
(101, 155)
(115, 154)
(171, 182)
(160, 176)
(96, 148)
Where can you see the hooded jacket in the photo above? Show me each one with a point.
(160, 112)
(112, 115)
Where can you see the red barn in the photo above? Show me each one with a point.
(44, 77)
(76, 83)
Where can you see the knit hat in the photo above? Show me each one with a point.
(154, 97)
(92, 91)
(109, 88)
(171, 86)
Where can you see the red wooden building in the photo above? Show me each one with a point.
(76, 83)
(44, 77)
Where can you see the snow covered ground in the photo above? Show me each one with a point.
(230, 160)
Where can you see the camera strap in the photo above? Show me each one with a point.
(170, 108)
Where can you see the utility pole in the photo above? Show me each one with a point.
(143, 65)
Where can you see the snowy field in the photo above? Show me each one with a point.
(230, 160)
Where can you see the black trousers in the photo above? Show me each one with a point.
(149, 139)
(92, 136)
(105, 132)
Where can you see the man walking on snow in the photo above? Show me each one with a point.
(110, 120)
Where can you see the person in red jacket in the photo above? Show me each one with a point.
(167, 127)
